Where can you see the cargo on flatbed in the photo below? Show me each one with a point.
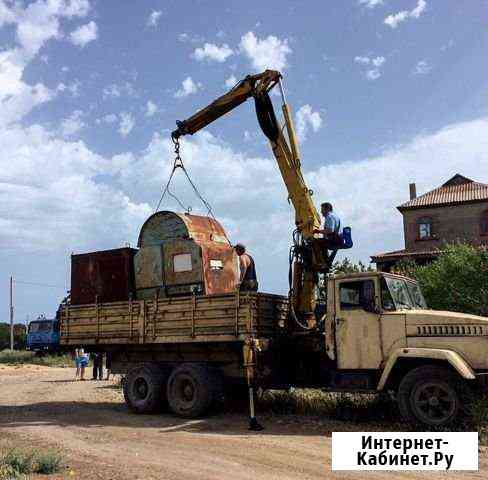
(197, 318)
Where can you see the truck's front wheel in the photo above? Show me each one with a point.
(144, 389)
(430, 395)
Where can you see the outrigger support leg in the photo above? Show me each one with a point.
(249, 364)
(254, 425)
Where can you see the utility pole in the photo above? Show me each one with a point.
(11, 313)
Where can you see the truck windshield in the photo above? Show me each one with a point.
(402, 293)
(416, 295)
(45, 326)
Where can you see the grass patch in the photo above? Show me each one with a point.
(49, 462)
(21, 357)
(17, 463)
(343, 406)
(377, 410)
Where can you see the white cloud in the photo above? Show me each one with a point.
(230, 82)
(305, 119)
(267, 53)
(212, 53)
(51, 200)
(375, 63)
(395, 19)
(84, 34)
(419, 9)
(362, 60)
(109, 118)
(154, 18)
(447, 45)
(151, 108)
(73, 88)
(371, 3)
(72, 124)
(126, 123)
(34, 24)
(190, 38)
(119, 90)
(188, 87)
(372, 74)
(422, 68)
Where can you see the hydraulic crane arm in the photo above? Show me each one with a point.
(286, 153)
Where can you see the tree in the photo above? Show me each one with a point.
(19, 336)
(457, 280)
(346, 266)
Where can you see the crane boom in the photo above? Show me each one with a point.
(286, 153)
(307, 219)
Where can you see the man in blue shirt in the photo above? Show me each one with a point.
(332, 226)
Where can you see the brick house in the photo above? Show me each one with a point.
(455, 211)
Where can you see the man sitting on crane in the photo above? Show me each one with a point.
(248, 280)
(332, 227)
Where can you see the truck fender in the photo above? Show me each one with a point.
(451, 357)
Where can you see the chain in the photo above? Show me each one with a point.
(178, 163)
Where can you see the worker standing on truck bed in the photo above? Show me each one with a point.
(248, 280)
(332, 227)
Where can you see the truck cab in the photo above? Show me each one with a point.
(380, 331)
(43, 335)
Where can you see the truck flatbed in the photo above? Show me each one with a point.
(206, 318)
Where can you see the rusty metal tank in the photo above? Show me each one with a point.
(183, 254)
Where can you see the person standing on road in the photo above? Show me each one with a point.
(77, 358)
(97, 366)
(83, 363)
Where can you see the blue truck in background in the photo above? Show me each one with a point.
(43, 335)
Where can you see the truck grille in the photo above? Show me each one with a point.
(452, 330)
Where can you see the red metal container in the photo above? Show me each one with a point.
(105, 276)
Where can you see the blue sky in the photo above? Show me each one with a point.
(384, 93)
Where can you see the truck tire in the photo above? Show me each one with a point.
(431, 395)
(144, 389)
(192, 388)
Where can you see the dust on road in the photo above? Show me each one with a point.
(88, 420)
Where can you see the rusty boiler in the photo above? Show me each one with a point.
(183, 254)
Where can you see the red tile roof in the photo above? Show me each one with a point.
(458, 189)
(397, 254)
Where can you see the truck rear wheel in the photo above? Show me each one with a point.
(191, 389)
(144, 389)
(430, 395)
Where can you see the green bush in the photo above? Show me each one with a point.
(456, 281)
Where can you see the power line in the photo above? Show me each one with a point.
(40, 284)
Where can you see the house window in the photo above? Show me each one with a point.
(484, 223)
(424, 228)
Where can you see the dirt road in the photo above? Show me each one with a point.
(88, 421)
